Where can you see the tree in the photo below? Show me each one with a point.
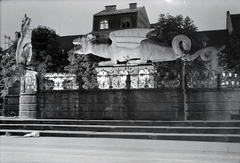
(1, 51)
(229, 59)
(83, 67)
(9, 72)
(169, 26)
(166, 29)
(1, 58)
(47, 53)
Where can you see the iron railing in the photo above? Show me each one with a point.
(145, 77)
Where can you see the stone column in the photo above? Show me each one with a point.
(28, 98)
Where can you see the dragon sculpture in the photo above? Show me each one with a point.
(24, 46)
(132, 46)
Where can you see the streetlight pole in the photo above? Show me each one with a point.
(185, 105)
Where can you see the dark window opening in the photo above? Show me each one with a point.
(126, 23)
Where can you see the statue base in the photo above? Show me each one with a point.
(28, 98)
(28, 106)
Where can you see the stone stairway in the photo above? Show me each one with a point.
(235, 116)
(215, 131)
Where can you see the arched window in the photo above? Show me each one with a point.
(126, 23)
(104, 24)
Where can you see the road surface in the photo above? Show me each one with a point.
(16, 149)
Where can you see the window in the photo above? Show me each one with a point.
(126, 23)
(104, 24)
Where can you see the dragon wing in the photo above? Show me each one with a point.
(129, 38)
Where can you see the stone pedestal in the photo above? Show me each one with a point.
(28, 99)
(28, 106)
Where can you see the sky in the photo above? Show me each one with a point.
(75, 17)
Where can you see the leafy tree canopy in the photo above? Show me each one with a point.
(167, 28)
(8, 70)
(84, 68)
(229, 59)
(47, 52)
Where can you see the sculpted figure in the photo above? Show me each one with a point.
(207, 53)
(131, 45)
(24, 46)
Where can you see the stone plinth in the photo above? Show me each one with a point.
(27, 100)
(28, 105)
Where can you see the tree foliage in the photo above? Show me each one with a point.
(167, 28)
(9, 72)
(84, 68)
(47, 53)
(229, 59)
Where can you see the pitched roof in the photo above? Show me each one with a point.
(216, 37)
(235, 21)
(118, 11)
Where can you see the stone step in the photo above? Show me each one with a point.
(232, 123)
(221, 131)
(140, 129)
(132, 135)
(235, 116)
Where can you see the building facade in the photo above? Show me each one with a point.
(112, 19)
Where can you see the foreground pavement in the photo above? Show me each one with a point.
(17, 149)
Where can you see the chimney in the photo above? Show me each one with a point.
(132, 5)
(110, 8)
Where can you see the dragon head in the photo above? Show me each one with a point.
(83, 44)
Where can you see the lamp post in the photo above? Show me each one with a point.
(185, 105)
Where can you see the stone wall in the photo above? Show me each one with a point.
(11, 106)
(146, 104)
(11, 101)
(213, 104)
(141, 104)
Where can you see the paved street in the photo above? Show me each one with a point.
(96, 150)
